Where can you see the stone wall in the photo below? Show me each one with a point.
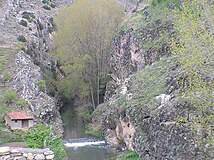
(11, 153)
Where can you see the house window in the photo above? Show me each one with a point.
(15, 121)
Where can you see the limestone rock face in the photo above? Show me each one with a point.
(141, 108)
(26, 82)
(27, 28)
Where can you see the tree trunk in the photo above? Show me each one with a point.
(92, 96)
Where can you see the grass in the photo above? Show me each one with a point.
(2, 61)
(157, 42)
(150, 82)
(151, 14)
(127, 155)
(7, 135)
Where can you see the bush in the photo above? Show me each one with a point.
(57, 146)
(10, 96)
(45, 1)
(52, 5)
(21, 102)
(3, 110)
(6, 76)
(23, 23)
(21, 38)
(29, 16)
(42, 85)
(84, 116)
(47, 7)
(37, 135)
(131, 155)
(127, 155)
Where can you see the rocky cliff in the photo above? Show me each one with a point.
(26, 33)
(142, 110)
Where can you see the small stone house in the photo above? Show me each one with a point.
(19, 120)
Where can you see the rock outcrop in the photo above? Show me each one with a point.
(26, 83)
(27, 28)
(142, 110)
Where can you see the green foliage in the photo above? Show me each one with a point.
(193, 49)
(156, 2)
(47, 7)
(37, 135)
(52, 5)
(7, 135)
(21, 102)
(23, 22)
(127, 155)
(3, 110)
(6, 76)
(21, 38)
(150, 82)
(85, 33)
(10, 96)
(85, 115)
(57, 146)
(45, 1)
(93, 131)
(2, 60)
(150, 15)
(29, 16)
(42, 84)
(131, 155)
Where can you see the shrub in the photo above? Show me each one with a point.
(10, 96)
(52, 5)
(29, 16)
(57, 146)
(131, 155)
(21, 102)
(6, 76)
(84, 116)
(21, 38)
(42, 85)
(45, 1)
(3, 109)
(37, 135)
(23, 23)
(47, 7)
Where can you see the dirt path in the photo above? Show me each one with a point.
(14, 144)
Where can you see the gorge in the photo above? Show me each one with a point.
(146, 87)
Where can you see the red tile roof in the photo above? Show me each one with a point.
(19, 115)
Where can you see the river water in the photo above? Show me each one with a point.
(78, 144)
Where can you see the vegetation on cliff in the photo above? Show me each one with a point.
(194, 49)
(169, 97)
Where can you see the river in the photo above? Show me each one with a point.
(78, 144)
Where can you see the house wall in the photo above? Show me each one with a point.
(16, 124)
(30, 123)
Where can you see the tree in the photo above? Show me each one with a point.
(194, 49)
(85, 31)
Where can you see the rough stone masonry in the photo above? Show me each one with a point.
(14, 153)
